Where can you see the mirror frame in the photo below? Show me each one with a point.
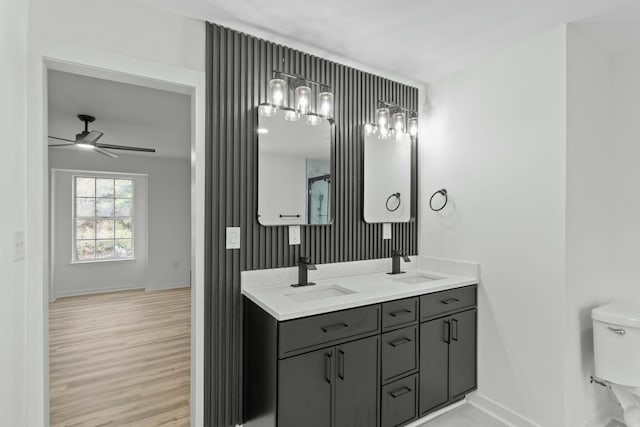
(413, 212)
(333, 154)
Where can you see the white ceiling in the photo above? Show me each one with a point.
(421, 40)
(127, 114)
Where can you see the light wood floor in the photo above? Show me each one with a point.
(120, 359)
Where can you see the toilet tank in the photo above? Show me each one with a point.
(616, 341)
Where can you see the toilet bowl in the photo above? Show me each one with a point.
(616, 340)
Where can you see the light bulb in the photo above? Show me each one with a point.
(382, 115)
(413, 126)
(325, 104)
(276, 89)
(313, 120)
(303, 94)
(291, 115)
(398, 121)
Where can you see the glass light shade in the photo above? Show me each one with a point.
(398, 121)
(325, 104)
(413, 126)
(303, 97)
(382, 118)
(291, 115)
(267, 110)
(277, 90)
(383, 133)
(313, 120)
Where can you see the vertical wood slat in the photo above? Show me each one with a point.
(238, 70)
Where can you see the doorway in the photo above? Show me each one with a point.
(125, 70)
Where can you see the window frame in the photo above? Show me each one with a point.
(75, 218)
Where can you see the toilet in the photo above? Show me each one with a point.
(616, 340)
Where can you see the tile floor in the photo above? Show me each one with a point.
(464, 416)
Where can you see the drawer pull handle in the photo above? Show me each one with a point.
(400, 313)
(399, 342)
(454, 330)
(449, 300)
(334, 328)
(327, 367)
(618, 331)
(400, 392)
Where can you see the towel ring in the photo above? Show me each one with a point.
(397, 196)
(442, 192)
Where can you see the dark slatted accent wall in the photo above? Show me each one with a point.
(238, 71)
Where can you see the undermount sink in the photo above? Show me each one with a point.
(314, 293)
(414, 279)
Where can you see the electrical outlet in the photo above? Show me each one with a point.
(294, 234)
(18, 246)
(233, 237)
(386, 231)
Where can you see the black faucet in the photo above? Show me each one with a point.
(396, 254)
(304, 265)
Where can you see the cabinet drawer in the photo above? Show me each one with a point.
(398, 313)
(399, 402)
(312, 332)
(437, 303)
(399, 353)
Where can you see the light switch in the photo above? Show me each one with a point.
(386, 231)
(233, 237)
(18, 246)
(294, 234)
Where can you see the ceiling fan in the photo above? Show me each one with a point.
(89, 140)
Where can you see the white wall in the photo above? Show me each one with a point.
(13, 122)
(495, 139)
(163, 218)
(588, 222)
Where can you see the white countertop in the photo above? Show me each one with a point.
(284, 302)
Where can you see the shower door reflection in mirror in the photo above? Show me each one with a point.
(294, 171)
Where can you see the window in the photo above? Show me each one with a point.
(103, 218)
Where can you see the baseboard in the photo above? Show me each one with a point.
(93, 291)
(500, 412)
(165, 286)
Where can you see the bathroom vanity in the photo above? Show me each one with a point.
(364, 350)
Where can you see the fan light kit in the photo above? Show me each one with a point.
(88, 140)
(391, 122)
(305, 97)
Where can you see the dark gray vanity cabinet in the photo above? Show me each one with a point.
(336, 383)
(448, 348)
(381, 365)
(317, 371)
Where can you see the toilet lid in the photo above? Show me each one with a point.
(618, 313)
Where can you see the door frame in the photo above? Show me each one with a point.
(125, 69)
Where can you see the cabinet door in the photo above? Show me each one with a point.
(434, 363)
(463, 353)
(357, 383)
(304, 389)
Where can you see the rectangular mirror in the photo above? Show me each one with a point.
(294, 171)
(387, 178)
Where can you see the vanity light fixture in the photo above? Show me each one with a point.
(304, 92)
(391, 122)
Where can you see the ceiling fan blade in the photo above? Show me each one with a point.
(106, 153)
(92, 137)
(69, 142)
(125, 147)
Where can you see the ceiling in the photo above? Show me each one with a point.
(127, 114)
(421, 40)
